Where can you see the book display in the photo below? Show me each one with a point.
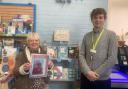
(16, 21)
(65, 71)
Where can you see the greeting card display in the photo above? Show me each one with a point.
(52, 52)
(39, 66)
(57, 72)
(62, 52)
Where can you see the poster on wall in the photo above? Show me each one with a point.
(39, 66)
(61, 34)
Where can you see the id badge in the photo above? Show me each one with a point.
(92, 51)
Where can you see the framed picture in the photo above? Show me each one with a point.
(39, 66)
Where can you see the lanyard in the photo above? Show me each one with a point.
(97, 40)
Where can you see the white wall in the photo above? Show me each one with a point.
(74, 16)
(118, 16)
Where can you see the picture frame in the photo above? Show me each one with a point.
(39, 66)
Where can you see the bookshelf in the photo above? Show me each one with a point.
(16, 21)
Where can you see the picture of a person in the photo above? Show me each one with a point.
(37, 68)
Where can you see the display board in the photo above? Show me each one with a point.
(10, 10)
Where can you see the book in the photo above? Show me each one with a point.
(52, 52)
(39, 66)
(19, 26)
(1, 46)
(8, 42)
(11, 30)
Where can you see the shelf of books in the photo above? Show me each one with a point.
(16, 21)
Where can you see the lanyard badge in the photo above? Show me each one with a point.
(93, 50)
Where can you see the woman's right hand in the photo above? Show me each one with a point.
(26, 66)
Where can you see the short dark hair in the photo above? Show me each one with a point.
(98, 11)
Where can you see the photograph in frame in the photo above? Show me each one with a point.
(39, 66)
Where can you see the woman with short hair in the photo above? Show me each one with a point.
(23, 64)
